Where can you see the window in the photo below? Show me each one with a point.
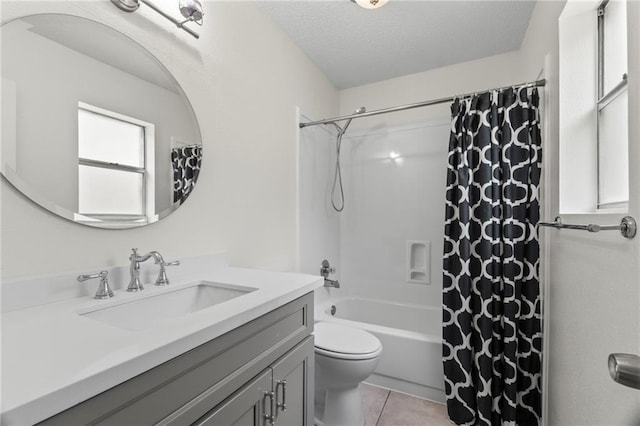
(115, 165)
(612, 106)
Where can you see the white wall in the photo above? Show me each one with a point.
(481, 74)
(244, 78)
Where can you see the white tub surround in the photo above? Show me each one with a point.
(411, 337)
(54, 358)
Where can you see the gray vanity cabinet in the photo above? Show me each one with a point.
(278, 396)
(246, 407)
(230, 380)
(292, 386)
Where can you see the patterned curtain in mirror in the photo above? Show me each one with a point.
(186, 161)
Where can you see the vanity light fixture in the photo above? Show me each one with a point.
(191, 10)
(370, 4)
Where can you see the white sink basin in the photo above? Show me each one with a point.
(139, 314)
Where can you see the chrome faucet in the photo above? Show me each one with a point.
(104, 290)
(134, 269)
(325, 270)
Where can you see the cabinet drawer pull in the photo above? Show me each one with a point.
(282, 405)
(270, 417)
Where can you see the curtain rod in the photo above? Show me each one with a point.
(416, 105)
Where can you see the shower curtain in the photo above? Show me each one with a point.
(492, 326)
(186, 162)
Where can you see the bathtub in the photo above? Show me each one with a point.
(411, 360)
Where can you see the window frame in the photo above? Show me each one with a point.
(147, 171)
(602, 101)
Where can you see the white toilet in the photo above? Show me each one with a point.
(345, 356)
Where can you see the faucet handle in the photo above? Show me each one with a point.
(134, 254)
(104, 290)
(326, 269)
(162, 276)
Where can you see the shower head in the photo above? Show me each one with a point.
(358, 110)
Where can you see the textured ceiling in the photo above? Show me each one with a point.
(354, 46)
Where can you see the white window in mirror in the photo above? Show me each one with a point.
(612, 106)
(115, 165)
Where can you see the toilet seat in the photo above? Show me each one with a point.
(344, 342)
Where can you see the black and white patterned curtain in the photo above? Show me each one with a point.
(492, 325)
(186, 162)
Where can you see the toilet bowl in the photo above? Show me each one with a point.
(344, 357)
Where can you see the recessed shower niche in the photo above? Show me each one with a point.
(418, 264)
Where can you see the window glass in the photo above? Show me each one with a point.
(613, 152)
(109, 140)
(110, 191)
(613, 163)
(111, 164)
(615, 43)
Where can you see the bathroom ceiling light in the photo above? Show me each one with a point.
(370, 4)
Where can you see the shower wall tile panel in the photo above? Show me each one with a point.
(394, 187)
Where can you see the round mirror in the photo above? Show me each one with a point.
(94, 128)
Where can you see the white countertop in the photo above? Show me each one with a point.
(53, 358)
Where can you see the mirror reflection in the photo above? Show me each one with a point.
(94, 128)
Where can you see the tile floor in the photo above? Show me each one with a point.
(387, 408)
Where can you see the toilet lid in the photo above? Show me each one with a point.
(343, 339)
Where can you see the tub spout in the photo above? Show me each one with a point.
(325, 270)
(331, 283)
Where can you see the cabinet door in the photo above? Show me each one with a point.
(293, 386)
(246, 407)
